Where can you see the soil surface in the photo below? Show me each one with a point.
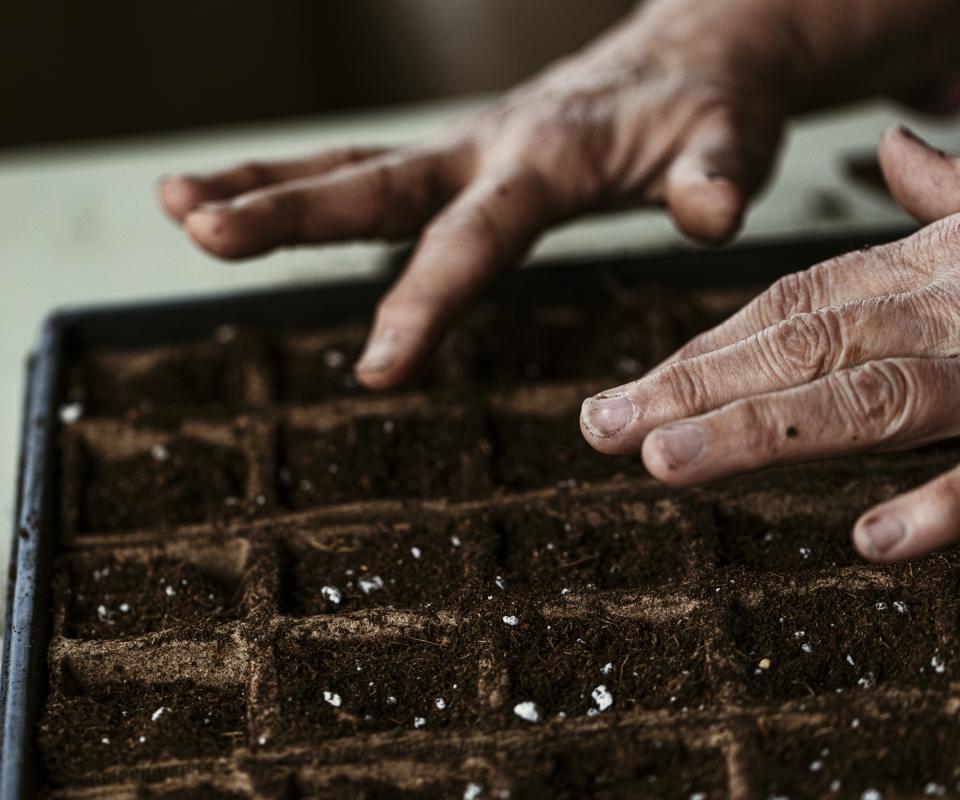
(271, 585)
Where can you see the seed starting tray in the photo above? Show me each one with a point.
(236, 575)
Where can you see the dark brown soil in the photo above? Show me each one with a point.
(111, 598)
(95, 730)
(194, 482)
(380, 457)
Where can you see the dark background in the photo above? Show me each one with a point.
(75, 69)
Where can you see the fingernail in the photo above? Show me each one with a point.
(880, 534)
(379, 353)
(606, 416)
(681, 443)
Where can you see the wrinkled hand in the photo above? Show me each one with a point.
(856, 354)
(681, 105)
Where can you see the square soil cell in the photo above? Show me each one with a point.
(904, 751)
(184, 482)
(336, 687)
(799, 644)
(796, 543)
(619, 764)
(376, 458)
(125, 724)
(311, 370)
(195, 378)
(580, 667)
(403, 565)
(534, 452)
(606, 545)
(519, 345)
(112, 597)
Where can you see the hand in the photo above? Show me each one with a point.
(681, 105)
(858, 353)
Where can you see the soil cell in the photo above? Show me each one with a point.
(83, 735)
(849, 639)
(559, 663)
(379, 457)
(403, 565)
(111, 597)
(533, 452)
(311, 372)
(192, 482)
(342, 687)
(911, 750)
(202, 378)
(551, 546)
(620, 765)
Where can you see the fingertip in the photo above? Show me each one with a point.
(924, 180)
(659, 463)
(178, 194)
(709, 210)
(219, 230)
(607, 420)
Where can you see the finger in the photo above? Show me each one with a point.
(925, 181)
(882, 404)
(913, 524)
(790, 353)
(387, 197)
(721, 165)
(861, 274)
(485, 229)
(180, 193)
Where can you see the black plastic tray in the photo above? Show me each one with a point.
(36, 526)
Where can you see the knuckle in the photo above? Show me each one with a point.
(251, 173)
(684, 386)
(791, 294)
(807, 344)
(878, 399)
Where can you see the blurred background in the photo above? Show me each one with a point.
(101, 98)
(80, 70)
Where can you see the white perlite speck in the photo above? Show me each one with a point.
(806, 647)
(158, 713)
(416, 552)
(606, 669)
(142, 739)
(368, 585)
(816, 766)
(169, 591)
(527, 710)
(934, 789)
(419, 722)
(900, 606)
(70, 413)
(938, 664)
(602, 697)
(511, 620)
(472, 792)
(332, 698)
(455, 541)
(105, 740)
(871, 794)
(159, 452)
(698, 796)
(125, 608)
(104, 615)
(262, 740)
(850, 660)
(331, 593)
(500, 582)
(440, 703)
(881, 606)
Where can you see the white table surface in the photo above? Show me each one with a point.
(78, 224)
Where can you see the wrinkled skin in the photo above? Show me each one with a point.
(855, 354)
(681, 106)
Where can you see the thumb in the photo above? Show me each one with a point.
(721, 164)
(924, 180)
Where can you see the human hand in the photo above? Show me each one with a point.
(681, 105)
(858, 353)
